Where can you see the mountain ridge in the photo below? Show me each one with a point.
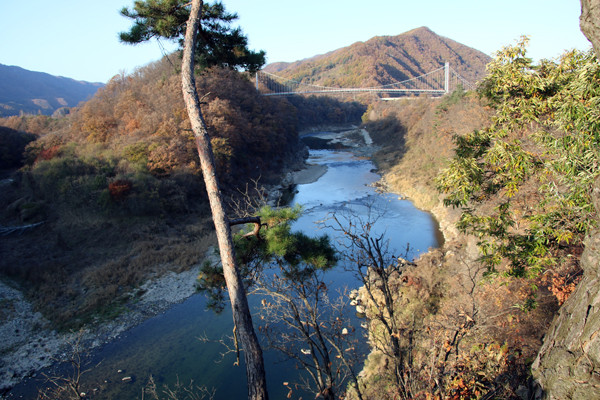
(32, 92)
(383, 60)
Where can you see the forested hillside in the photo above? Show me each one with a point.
(112, 194)
(117, 188)
(386, 59)
(29, 92)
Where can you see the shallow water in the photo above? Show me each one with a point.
(168, 346)
(347, 187)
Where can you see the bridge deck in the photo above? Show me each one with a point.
(438, 82)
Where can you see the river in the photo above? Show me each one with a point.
(182, 344)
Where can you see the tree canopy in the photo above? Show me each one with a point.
(218, 43)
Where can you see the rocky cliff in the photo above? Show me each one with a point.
(568, 364)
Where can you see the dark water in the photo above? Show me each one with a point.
(168, 346)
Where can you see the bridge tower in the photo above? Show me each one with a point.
(447, 77)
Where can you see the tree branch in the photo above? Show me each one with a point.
(248, 220)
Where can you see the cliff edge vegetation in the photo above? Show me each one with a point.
(514, 166)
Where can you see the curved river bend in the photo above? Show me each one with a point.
(168, 346)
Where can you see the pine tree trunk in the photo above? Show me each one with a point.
(255, 371)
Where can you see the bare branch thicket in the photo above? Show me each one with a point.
(227, 343)
(305, 325)
(246, 205)
(247, 202)
(177, 392)
(462, 319)
(369, 258)
(67, 387)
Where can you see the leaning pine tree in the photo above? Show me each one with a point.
(217, 45)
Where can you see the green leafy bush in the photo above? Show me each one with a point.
(538, 158)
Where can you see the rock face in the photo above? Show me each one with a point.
(589, 21)
(568, 364)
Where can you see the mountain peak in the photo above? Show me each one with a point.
(386, 59)
(420, 30)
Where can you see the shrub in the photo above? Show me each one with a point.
(538, 158)
(119, 189)
(48, 154)
(137, 154)
(12, 147)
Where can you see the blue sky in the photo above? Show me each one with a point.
(78, 38)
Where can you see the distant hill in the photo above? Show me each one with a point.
(24, 91)
(385, 59)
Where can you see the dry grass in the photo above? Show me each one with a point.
(416, 136)
(82, 264)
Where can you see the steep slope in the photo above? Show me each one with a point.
(32, 92)
(386, 59)
(489, 321)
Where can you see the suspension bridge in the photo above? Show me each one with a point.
(439, 82)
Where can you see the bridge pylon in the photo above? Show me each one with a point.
(447, 77)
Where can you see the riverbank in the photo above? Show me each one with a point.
(468, 323)
(28, 342)
(310, 174)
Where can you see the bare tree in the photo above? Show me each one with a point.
(177, 392)
(255, 370)
(380, 273)
(67, 386)
(304, 324)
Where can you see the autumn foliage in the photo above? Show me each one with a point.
(119, 189)
(120, 168)
(517, 165)
(125, 165)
